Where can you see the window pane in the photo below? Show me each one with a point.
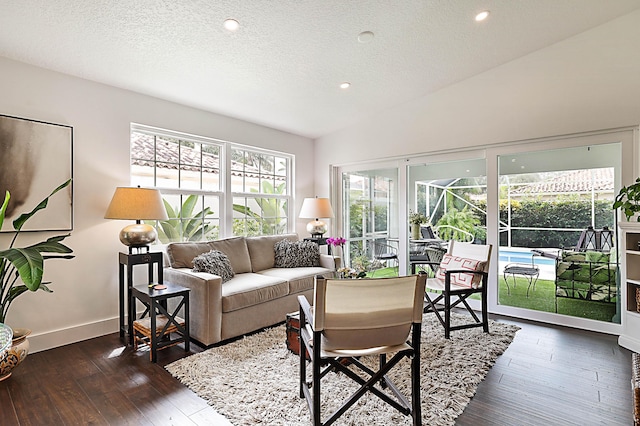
(191, 218)
(281, 166)
(167, 175)
(259, 216)
(211, 179)
(142, 147)
(190, 177)
(211, 171)
(190, 153)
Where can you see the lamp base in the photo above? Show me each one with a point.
(138, 235)
(317, 227)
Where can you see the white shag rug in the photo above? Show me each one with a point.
(254, 381)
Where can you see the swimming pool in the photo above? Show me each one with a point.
(514, 255)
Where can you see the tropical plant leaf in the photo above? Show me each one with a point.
(3, 209)
(29, 264)
(19, 222)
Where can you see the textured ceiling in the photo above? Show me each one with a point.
(283, 66)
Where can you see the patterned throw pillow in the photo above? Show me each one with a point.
(296, 254)
(214, 262)
(456, 263)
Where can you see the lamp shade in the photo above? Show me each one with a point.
(137, 204)
(315, 208)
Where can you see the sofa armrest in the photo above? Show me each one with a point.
(330, 262)
(205, 302)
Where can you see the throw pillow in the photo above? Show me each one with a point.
(296, 254)
(455, 263)
(214, 262)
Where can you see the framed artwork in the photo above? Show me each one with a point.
(35, 158)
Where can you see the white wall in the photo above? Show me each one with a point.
(588, 82)
(85, 299)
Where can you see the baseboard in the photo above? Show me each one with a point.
(53, 339)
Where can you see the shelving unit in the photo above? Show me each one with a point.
(630, 285)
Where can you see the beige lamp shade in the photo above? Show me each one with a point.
(137, 204)
(316, 208)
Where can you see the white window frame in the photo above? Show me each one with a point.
(224, 192)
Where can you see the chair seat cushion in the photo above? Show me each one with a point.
(437, 284)
(451, 262)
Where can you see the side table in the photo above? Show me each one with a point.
(530, 272)
(127, 262)
(320, 242)
(158, 328)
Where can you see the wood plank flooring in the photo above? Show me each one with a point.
(549, 376)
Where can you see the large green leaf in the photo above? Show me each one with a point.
(29, 264)
(19, 222)
(3, 209)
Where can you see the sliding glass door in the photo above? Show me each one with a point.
(557, 251)
(533, 201)
(370, 217)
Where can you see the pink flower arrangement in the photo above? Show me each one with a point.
(337, 241)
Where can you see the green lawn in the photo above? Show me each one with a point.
(541, 299)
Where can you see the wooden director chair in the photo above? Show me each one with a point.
(352, 318)
(463, 271)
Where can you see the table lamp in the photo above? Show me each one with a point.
(137, 204)
(316, 208)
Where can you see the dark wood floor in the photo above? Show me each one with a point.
(548, 376)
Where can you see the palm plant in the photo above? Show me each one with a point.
(273, 211)
(457, 225)
(22, 268)
(184, 225)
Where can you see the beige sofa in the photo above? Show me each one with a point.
(259, 295)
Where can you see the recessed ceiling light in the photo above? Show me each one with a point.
(482, 15)
(365, 37)
(231, 24)
(345, 85)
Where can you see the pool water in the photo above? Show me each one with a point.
(510, 255)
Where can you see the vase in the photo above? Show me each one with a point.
(16, 353)
(415, 232)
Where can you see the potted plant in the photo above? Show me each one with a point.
(21, 270)
(416, 219)
(628, 200)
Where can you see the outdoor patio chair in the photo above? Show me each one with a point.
(464, 271)
(351, 328)
(383, 253)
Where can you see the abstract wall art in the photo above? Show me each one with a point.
(36, 157)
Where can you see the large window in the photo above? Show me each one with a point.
(259, 184)
(212, 188)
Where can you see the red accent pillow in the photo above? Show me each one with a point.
(456, 263)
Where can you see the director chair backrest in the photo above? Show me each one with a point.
(367, 313)
(479, 252)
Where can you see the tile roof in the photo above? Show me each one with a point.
(573, 181)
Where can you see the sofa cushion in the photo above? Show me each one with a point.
(181, 255)
(300, 279)
(214, 262)
(251, 289)
(261, 250)
(236, 249)
(296, 254)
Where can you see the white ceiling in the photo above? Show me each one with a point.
(283, 66)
